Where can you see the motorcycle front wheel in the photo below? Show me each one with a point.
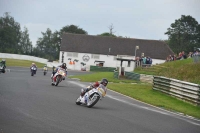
(78, 101)
(91, 103)
(58, 79)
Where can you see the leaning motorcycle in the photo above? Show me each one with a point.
(92, 97)
(33, 70)
(59, 75)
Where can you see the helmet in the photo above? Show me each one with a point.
(63, 65)
(104, 81)
(33, 63)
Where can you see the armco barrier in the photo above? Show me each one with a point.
(131, 75)
(183, 90)
(136, 76)
(146, 78)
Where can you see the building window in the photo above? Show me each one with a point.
(75, 54)
(95, 56)
(69, 54)
(72, 54)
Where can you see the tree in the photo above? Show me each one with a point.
(73, 29)
(9, 34)
(111, 27)
(107, 34)
(183, 34)
(110, 33)
(25, 43)
(48, 46)
(44, 45)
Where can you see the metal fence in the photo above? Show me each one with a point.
(135, 76)
(183, 90)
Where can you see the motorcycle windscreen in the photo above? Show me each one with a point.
(102, 89)
(61, 72)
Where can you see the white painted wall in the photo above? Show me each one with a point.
(109, 61)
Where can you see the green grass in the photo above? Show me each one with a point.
(185, 70)
(99, 75)
(21, 63)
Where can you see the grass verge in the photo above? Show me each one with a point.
(185, 70)
(21, 63)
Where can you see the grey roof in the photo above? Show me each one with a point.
(118, 46)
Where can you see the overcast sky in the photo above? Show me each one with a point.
(144, 19)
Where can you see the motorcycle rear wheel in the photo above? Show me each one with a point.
(32, 73)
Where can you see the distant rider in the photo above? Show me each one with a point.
(103, 82)
(33, 65)
(3, 64)
(45, 68)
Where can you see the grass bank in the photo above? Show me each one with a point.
(185, 70)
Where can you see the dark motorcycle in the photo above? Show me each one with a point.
(2, 67)
(33, 70)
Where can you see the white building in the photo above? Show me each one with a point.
(83, 51)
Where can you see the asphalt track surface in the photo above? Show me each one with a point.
(31, 105)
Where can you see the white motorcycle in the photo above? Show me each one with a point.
(60, 75)
(92, 97)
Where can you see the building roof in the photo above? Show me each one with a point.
(118, 46)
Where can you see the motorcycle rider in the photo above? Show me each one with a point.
(3, 64)
(33, 65)
(53, 73)
(45, 68)
(104, 82)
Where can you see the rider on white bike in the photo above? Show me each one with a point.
(63, 66)
(104, 82)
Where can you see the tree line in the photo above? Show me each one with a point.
(183, 35)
